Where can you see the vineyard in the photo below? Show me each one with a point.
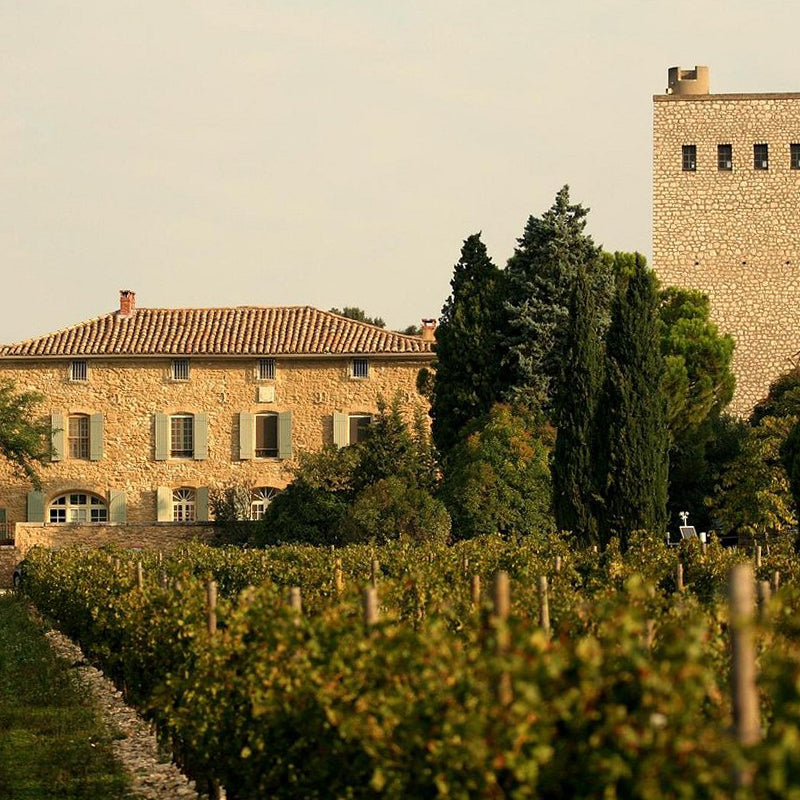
(273, 673)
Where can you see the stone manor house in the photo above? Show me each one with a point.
(151, 408)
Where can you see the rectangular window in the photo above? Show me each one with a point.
(361, 368)
(358, 425)
(689, 157)
(725, 157)
(182, 436)
(266, 435)
(266, 369)
(79, 436)
(794, 156)
(761, 156)
(79, 371)
(180, 369)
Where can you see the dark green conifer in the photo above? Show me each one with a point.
(631, 423)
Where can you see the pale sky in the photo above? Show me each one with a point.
(234, 152)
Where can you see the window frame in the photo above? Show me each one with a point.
(689, 158)
(725, 157)
(68, 505)
(761, 162)
(79, 442)
(260, 498)
(78, 370)
(271, 415)
(184, 504)
(351, 418)
(266, 369)
(794, 155)
(181, 453)
(180, 370)
(358, 365)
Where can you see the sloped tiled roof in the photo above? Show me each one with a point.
(245, 330)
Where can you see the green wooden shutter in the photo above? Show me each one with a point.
(246, 435)
(201, 504)
(340, 429)
(96, 437)
(117, 506)
(162, 436)
(35, 506)
(164, 504)
(57, 432)
(285, 434)
(201, 435)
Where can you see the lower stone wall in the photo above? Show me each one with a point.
(9, 556)
(147, 536)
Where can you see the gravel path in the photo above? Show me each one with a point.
(137, 747)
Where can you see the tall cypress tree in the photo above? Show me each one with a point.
(631, 426)
(466, 369)
(540, 280)
(573, 462)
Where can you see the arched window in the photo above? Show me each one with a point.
(262, 497)
(184, 503)
(77, 507)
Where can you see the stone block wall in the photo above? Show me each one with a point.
(733, 234)
(9, 556)
(128, 392)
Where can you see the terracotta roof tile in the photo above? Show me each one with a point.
(245, 330)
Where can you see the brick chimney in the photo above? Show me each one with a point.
(428, 330)
(127, 302)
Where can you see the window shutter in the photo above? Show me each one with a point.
(57, 430)
(162, 436)
(95, 437)
(201, 436)
(117, 506)
(201, 504)
(285, 434)
(340, 429)
(35, 506)
(246, 435)
(164, 504)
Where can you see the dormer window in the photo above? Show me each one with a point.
(180, 369)
(79, 371)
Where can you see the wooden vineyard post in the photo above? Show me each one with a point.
(338, 580)
(764, 594)
(679, 577)
(211, 606)
(650, 634)
(758, 556)
(502, 605)
(139, 576)
(296, 600)
(746, 721)
(776, 581)
(369, 604)
(374, 570)
(704, 548)
(558, 564)
(544, 605)
(476, 592)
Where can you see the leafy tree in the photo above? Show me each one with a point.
(303, 513)
(412, 330)
(782, 400)
(699, 385)
(24, 438)
(392, 509)
(790, 457)
(574, 468)
(540, 277)
(465, 382)
(631, 427)
(359, 315)
(498, 479)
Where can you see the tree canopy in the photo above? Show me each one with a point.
(24, 439)
(359, 315)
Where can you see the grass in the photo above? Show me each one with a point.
(52, 743)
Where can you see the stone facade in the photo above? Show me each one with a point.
(732, 232)
(130, 392)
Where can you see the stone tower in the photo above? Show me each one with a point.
(726, 216)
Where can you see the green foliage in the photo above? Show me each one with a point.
(539, 284)
(303, 513)
(699, 384)
(574, 470)
(782, 400)
(359, 315)
(24, 438)
(465, 381)
(393, 509)
(790, 457)
(631, 423)
(498, 478)
(753, 500)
